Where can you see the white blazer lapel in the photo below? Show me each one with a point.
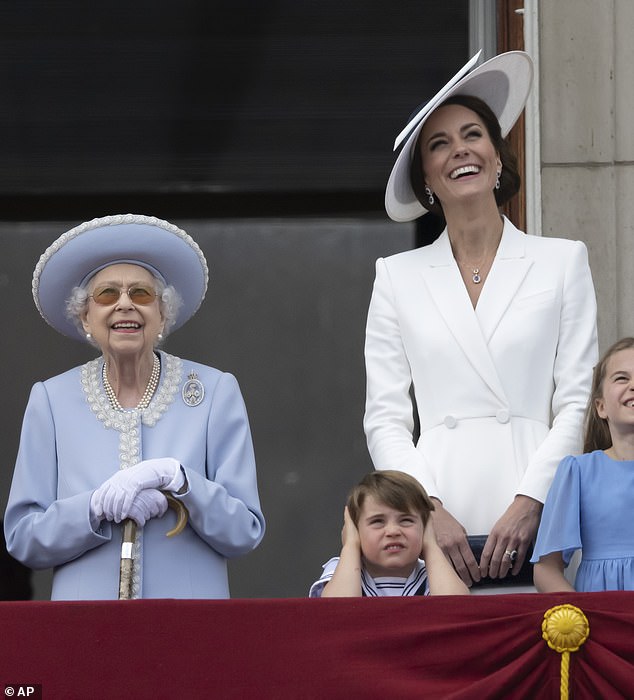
(507, 273)
(446, 288)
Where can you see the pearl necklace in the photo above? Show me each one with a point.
(147, 394)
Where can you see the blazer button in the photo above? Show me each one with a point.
(503, 416)
(450, 422)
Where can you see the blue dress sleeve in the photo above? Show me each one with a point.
(560, 528)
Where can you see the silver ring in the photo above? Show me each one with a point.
(512, 555)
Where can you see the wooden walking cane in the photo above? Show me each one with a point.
(127, 544)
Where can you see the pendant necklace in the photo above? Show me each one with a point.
(476, 276)
(477, 271)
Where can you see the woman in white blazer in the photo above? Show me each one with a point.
(492, 331)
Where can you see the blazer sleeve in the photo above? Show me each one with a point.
(389, 410)
(577, 353)
(41, 529)
(223, 504)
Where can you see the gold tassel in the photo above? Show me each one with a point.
(565, 628)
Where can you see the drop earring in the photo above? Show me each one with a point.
(497, 181)
(430, 195)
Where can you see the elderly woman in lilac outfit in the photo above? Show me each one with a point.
(111, 440)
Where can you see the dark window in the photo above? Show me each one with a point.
(224, 97)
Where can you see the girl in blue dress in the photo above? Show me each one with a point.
(590, 503)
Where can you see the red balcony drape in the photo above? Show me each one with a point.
(436, 647)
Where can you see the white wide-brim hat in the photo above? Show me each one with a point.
(157, 245)
(503, 82)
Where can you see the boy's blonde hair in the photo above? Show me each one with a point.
(395, 489)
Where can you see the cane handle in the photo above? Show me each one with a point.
(181, 514)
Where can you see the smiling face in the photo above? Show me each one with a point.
(459, 159)
(391, 540)
(123, 327)
(616, 404)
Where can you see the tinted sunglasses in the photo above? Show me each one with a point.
(138, 294)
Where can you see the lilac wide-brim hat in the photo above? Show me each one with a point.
(78, 254)
(503, 82)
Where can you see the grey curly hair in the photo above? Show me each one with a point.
(169, 300)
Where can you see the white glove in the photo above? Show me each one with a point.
(149, 503)
(113, 499)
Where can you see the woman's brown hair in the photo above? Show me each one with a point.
(509, 179)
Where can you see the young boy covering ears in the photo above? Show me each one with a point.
(388, 544)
